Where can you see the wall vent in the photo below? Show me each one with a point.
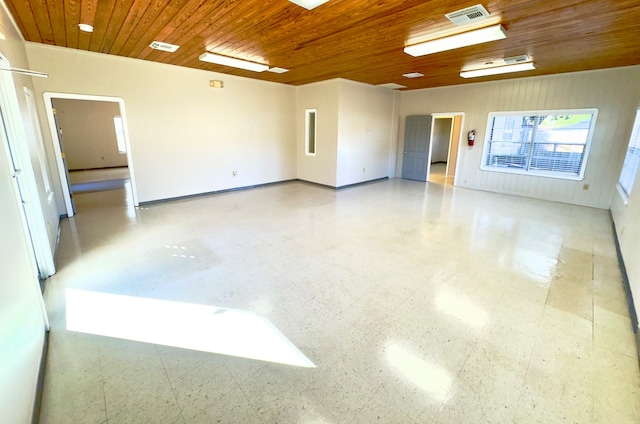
(165, 47)
(516, 59)
(469, 15)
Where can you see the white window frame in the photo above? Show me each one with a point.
(541, 173)
(308, 143)
(631, 161)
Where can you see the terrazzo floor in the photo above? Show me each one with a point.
(412, 302)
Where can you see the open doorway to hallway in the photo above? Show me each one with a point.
(92, 147)
(445, 141)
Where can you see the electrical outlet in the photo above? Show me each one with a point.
(362, 169)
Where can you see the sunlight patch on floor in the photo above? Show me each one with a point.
(205, 328)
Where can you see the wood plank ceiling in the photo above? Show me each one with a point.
(353, 39)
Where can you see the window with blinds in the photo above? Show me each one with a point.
(631, 161)
(547, 143)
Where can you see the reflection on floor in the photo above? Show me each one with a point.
(106, 189)
(98, 179)
(93, 175)
(417, 303)
(437, 173)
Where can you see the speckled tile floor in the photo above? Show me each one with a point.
(417, 303)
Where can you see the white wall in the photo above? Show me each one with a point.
(613, 91)
(321, 168)
(186, 138)
(89, 134)
(365, 121)
(355, 132)
(626, 218)
(21, 321)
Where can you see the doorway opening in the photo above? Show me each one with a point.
(91, 143)
(445, 142)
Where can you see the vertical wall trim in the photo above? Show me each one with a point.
(627, 287)
(37, 403)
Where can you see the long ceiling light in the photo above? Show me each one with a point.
(478, 36)
(496, 70)
(233, 62)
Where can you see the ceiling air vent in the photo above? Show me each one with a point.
(165, 47)
(469, 15)
(516, 59)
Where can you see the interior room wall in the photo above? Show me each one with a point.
(613, 91)
(441, 138)
(22, 326)
(324, 97)
(625, 217)
(186, 138)
(365, 120)
(89, 134)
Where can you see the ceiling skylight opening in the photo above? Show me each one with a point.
(465, 39)
(496, 70)
(413, 75)
(233, 62)
(309, 4)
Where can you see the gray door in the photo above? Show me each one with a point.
(415, 161)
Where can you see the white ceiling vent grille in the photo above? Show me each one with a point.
(165, 47)
(469, 15)
(516, 59)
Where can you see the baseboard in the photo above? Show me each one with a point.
(209, 193)
(361, 183)
(98, 169)
(627, 287)
(343, 186)
(37, 403)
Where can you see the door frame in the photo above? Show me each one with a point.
(17, 146)
(66, 190)
(451, 115)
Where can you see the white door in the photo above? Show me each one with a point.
(13, 137)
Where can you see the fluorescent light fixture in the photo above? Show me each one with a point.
(496, 70)
(85, 27)
(277, 70)
(309, 4)
(233, 62)
(391, 86)
(470, 38)
(413, 75)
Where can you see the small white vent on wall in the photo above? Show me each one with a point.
(165, 47)
(469, 15)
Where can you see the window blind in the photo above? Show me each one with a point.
(552, 143)
(631, 159)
